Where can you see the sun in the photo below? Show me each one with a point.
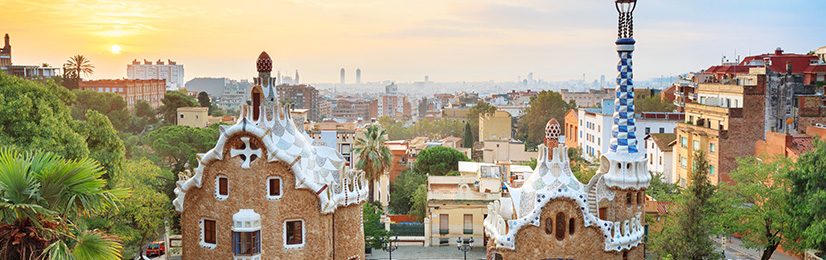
(115, 49)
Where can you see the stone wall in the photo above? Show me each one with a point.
(532, 242)
(247, 190)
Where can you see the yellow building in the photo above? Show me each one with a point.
(457, 205)
(495, 126)
(727, 118)
(193, 116)
(455, 113)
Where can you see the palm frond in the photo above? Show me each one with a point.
(96, 245)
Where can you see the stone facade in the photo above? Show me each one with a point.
(265, 191)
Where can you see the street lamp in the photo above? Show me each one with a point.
(389, 247)
(464, 245)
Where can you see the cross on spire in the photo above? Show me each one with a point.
(245, 152)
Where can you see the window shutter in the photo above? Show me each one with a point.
(222, 186)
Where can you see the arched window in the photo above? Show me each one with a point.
(549, 226)
(628, 199)
(571, 226)
(560, 226)
(625, 255)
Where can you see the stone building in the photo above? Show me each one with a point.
(303, 97)
(495, 126)
(590, 98)
(265, 192)
(170, 71)
(132, 90)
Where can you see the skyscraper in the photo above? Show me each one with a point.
(358, 76)
(296, 77)
(342, 75)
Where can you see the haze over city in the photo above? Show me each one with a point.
(404, 40)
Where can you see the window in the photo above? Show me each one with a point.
(651, 159)
(683, 162)
(683, 142)
(599, 141)
(696, 145)
(712, 148)
(571, 226)
(560, 226)
(640, 198)
(273, 187)
(293, 233)
(182, 115)
(711, 169)
(246, 243)
(223, 183)
(647, 130)
(468, 224)
(549, 226)
(208, 228)
(628, 199)
(661, 160)
(662, 130)
(444, 225)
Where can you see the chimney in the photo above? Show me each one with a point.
(788, 67)
(778, 51)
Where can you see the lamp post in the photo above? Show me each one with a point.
(389, 245)
(464, 245)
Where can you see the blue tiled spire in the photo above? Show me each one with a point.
(623, 132)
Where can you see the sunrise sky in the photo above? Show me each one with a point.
(403, 40)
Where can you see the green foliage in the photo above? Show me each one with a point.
(177, 145)
(467, 140)
(203, 99)
(439, 160)
(75, 67)
(687, 231)
(402, 190)
(583, 174)
(385, 121)
(142, 216)
(531, 163)
(35, 116)
(653, 104)
(807, 200)
(542, 107)
(473, 113)
(757, 206)
(104, 144)
(43, 194)
(374, 232)
(435, 129)
(661, 190)
(109, 104)
(144, 115)
(418, 200)
(172, 100)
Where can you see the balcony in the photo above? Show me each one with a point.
(714, 132)
(713, 110)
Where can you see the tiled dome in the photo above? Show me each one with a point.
(264, 63)
(552, 129)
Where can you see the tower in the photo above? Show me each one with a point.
(342, 75)
(5, 53)
(552, 132)
(263, 91)
(296, 77)
(358, 76)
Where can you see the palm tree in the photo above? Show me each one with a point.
(374, 156)
(41, 195)
(79, 64)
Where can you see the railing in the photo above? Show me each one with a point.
(407, 229)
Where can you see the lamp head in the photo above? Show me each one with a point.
(625, 6)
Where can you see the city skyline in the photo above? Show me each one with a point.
(449, 41)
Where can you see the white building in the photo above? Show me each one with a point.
(171, 72)
(660, 155)
(595, 127)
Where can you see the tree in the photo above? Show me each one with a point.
(687, 232)
(203, 99)
(401, 190)
(42, 195)
(473, 113)
(142, 216)
(109, 104)
(374, 232)
(143, 116)
(439, 160)
(177, 144)
(661, 190)
(756, 206)
(75, 67)
(374, 156)
(653, 104)
(103, 142)
(418, 200)
(806, 200)
(172, 100)
(467, 140)
(542, 107)
(385, 121)
(35, 116)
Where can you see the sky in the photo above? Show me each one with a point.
(403, 40)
